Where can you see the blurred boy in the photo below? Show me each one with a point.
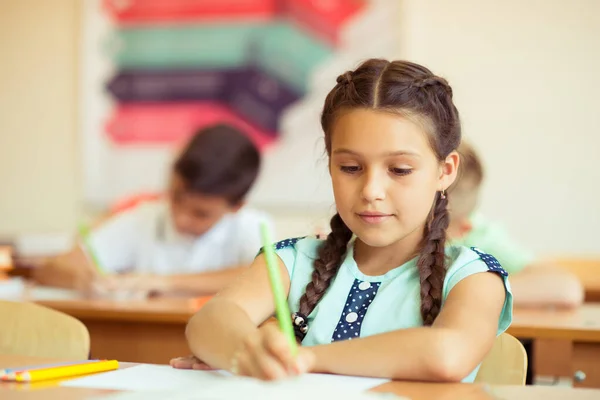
(194, 242)
(534, 283)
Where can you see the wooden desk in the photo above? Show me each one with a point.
(571, 341)
(146, 331)
(465, 391)
(149, 331)
(152, 331)
(413, 390)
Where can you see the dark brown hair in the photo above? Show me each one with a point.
(414, 92)
(219, 160)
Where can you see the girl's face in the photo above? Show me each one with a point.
(385, 176)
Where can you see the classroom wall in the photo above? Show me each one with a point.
(539, 139)
(525, 77)
(38, 141)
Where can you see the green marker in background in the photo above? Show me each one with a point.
(84, 232)
(281, 307)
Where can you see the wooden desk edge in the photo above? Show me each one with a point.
(544, 332)
(416, 390)
(120, 314)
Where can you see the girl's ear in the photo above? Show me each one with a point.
(449, 170)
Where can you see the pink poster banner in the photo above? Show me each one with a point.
(323, 19)
(135, 12)
(173, 123)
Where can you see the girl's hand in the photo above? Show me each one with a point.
(267, 355)
(189, 362)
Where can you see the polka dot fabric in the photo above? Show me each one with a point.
(491, 262)
(284, 243)
(359, 299)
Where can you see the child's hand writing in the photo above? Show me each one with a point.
(267, 355)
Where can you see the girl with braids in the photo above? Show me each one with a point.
(383, 295)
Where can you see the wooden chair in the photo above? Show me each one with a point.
(505, 364)
(28, 329)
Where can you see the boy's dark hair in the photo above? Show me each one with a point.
(409, 90)
(219, 160)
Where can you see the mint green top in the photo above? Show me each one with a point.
(494, 239)
(358, 305)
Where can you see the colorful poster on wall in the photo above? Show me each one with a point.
(155, 71)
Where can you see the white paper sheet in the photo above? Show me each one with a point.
(41, 293)
(158, 378)
(11, 289)
(149, 378)
(16, 289)
(264, 393)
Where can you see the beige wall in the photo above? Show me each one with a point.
(526, 81)
(38, 141)
(525, 78)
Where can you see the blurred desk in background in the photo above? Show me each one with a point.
(152, 330)
(567, 342)
(146, 331)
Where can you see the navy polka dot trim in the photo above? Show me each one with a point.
(284, 243)
(287, 243)
(491, 262)
(359, 299)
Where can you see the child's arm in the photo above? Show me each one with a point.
(71, 270)
(113, 242)
(222, 326)
(199, 284)
(543, 284)
(447, 351)
(207, 283)
(534, 283)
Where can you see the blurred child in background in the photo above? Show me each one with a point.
(534, 282)
(195, 241)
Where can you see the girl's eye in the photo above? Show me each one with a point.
(401, 171)
(350, 169)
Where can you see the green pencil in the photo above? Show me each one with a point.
(84, 232)
(281, 307)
